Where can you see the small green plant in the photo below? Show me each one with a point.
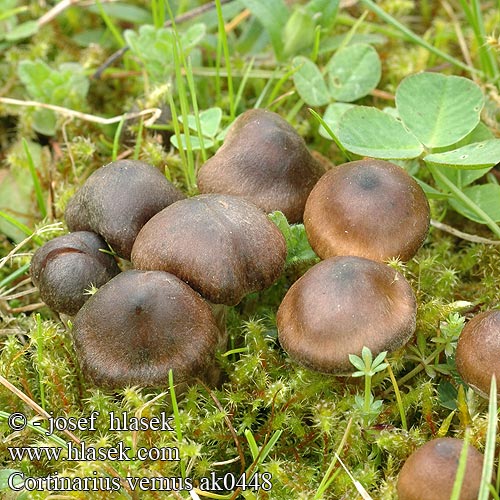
(209, 121)
(154, 47)
(367, 367)
(351, 73)
(291, 33)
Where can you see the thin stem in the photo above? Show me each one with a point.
(465, 200)
(368, 393)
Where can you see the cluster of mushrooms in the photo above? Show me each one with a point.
(190, 254)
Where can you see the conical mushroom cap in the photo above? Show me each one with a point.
(478, 352)
(117, 200)
(264, 160)
(430, 471)
(65, 267)
(369, 208)
(222, 246)
(341, 305)
(142, 324)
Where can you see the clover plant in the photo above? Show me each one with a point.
(154, 47)
(352, 73)
(66, 86)
(436, 119)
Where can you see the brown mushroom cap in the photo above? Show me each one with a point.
(429, 473)
(341, 305)
(65, 267)
(370, 208)
(140, 325)
(117, 200)
(264, 160)
(222, 246)
(478, 351)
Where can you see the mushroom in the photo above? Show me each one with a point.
(478, 351)
(142, 324)
(222, 246)
(117, 200)
(341, 305)
(67, 266)
(429, 472)
(369, 208)
(264, 160)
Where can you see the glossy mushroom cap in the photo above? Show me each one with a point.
(429, 473)
(264, 160)
(222, 246)
(478, 351)
(117, 200)
(369, 208)
(65, 267)
(142, 324)
(341, 305)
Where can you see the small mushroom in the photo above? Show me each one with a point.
(117, 200)
(341, 305)
(264, 160)
(142, 324)
(222, 246)
(67, 266)
(478, 351)
(369, 208)
(429, 473)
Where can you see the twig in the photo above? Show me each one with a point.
(60, 7)
(228, 423)
(12, 388)
(462, 235)
(154, 112)
(180, 19)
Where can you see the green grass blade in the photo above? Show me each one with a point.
(328, 478)
(116, 139)
(489, 452)
(225, 48)
(11, 220)
(415, 38)
(194, 101)
(13, 276)
(177, 416)
(270, 445)
(36, 182)
(111, 25)
(397, 393)
(252, 444)
(43, 431)
(462, 463)
(455, 191)
(138, 140)
(243, 83)
(332, 134)
(40, 356)
(474, 17)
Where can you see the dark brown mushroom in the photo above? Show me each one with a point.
(65, 268)
(430, 471)
(369, 208)
(264, 160)
(222, 246)
(341, 305)
(141, 325)
(478, 352)
(117, 200)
